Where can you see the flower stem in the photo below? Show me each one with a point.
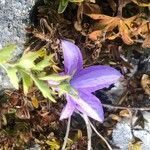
(67, 134)
(109, 147)
(89, 131)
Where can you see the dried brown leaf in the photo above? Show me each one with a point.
(110, 23)
(124, 113)
(99, 16)
(146, 43)
(78, 26)
(143, 28)
(113, 5)
(143, 3)
(112, 36)
(89, 8)
(125, 33)
(92, 1)
(95, 35)
(35, 102)
(23, 113)
(115, 117)
(145, 83)
(145, 33)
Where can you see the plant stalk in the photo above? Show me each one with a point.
(67, 134)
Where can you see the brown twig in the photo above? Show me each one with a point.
(123, 107)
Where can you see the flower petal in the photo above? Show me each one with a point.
(95, 77)
(90, 105)
(68, 109)
(73, 60)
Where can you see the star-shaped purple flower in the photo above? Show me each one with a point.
(85, 81)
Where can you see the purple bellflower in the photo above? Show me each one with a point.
(83, 82)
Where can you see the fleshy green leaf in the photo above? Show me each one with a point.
(66, 88)
(55, 77)
(6, 52)
(43, 87)
(62, 5)
(27, 60)
(27, 81)
(43, 63)
(12, 74)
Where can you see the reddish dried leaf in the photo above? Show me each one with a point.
(126, 27)
(95, 35)
(125, 33)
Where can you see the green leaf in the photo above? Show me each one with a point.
(54, 145)
(56, 77)
(43, 87)
(27, 60)
(12, 74)
(27, 81)
(62, 5)
(67, 88)
(43, 64)
(6, 53)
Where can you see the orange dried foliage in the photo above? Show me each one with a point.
(113, 27)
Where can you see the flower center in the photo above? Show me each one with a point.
(66, 88)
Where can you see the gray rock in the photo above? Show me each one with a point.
(122, 135)
(14, 17)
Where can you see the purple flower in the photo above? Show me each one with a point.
(84, 82)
